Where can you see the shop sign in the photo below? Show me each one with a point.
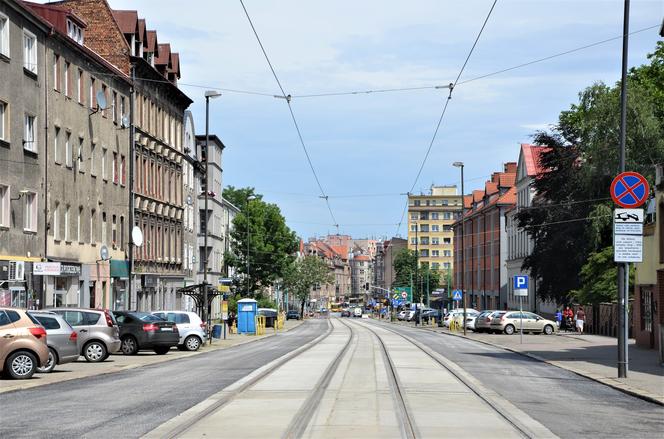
(70, 270)
(46, 269)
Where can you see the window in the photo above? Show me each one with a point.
(68, 153)
(104, 152)
(114, 231)
(434, 215)
(122, 108)
(447, 215)
(29, 52)
(93, 164)
(79, 235)
(29, 139)
(103, 228)
(435, 241)
(93, 98)
(447, 253)
(114, 107)
(67, 79)
(417, 202)
(123, 176)
(4, 205)
(4, 35)
(56, 222)
(67, 235)
(413, 227)
(79, 159)
(447, 240)
(115, 167)
(435, 228)
(93, 227)
(122, 227)
(74, 32)
(4, 125)
(413, 241)
(103, 90)
(57, 72)
(30, 212)
(56, 147)
(79, 86)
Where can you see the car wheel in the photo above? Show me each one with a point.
(192, 343)
(548, 329)
(162, 350)
(21, 365)
(50, 364)
(509, 329)
(129, 345)
(95, 352)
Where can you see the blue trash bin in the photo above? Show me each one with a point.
(216, 331)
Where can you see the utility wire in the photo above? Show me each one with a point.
(290, 110)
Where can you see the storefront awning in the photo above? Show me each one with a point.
(119, 268)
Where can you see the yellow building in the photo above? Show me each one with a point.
(430, 219)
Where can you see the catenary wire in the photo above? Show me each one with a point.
(290, 110)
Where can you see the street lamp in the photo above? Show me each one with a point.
(249, 198)
(206, 308)
(463, 273)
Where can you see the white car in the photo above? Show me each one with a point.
(457, 316)
(190, 326)
(409, 315)
(357, 312)
(401, 315)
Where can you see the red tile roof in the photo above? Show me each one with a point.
(127, 20)
(507, 180)
(531, 156)
(152, 45)
(340, 250)
(164, 57)
(508, 197)
(362, 258)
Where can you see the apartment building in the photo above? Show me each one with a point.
(190, 175)
(337, 259)
(384, 274)
(24, 73)
(485, 279)
(430, 219)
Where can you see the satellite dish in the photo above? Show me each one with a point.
(125, 121)
(103, 253)
(101, 100)
(137, 236)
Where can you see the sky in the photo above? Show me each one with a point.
(367, 148)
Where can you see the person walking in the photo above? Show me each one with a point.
(568, 318)
(580, 320)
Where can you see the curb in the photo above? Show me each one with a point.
(617, 385)
(30, 384)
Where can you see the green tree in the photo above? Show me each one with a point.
(261, 245)
(405, 263)
(598, 278)
(304, 274)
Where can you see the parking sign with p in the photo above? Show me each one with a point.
(521, 285)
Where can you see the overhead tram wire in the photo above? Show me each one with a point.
(287, 98)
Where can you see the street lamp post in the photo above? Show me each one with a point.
(463, 273)
(206, 306)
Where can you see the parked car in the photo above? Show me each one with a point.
(409, 315)
(61, 339)
(483, 320)
(345, 312)
(140, 331)
(510, 322)
(98, 332)
(402, 314)
(429, 314)
(293, 314)
(190, 327)
(22, 344)
(357, 312)
(471, 318)
(457, 315)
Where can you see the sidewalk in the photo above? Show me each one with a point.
(120, 362)
(592, 356)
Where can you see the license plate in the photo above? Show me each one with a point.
(166, 329)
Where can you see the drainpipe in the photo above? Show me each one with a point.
(42, 295)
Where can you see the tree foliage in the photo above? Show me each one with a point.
(405, 267)
(570, 221)
(304, 274)
(261, 245)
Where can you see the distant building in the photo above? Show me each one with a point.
(430, 233)
(336, 258)
(519, 242)
(485, 279)
(361, 267)
(386, 257)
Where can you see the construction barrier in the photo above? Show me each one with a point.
(454, 325)
(233, 328)
(281, 318)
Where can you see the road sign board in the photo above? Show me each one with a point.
(401, 290)
(404, 295)
(628, 221)
(457, 295)
(628, 248)
(629, 189)
(521, 285)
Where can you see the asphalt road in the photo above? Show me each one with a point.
(569, 405)
(129, 404)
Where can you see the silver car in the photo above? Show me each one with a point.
(61, 340)
(190, 326)
(98, 333)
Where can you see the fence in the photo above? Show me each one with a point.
(603, 319)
